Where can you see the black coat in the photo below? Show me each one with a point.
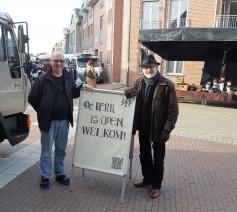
(164, 113)
(41, 97)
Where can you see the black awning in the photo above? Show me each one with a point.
(191, 44)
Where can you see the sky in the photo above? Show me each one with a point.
(46, 19)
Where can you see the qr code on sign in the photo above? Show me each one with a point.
(117, 163)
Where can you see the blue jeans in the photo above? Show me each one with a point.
(58, 134)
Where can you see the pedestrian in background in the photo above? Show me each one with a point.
(71, 68)
(155, 116)
(90, 74)
(52, 98)
(46, 66)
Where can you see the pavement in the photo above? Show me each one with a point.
(200, 171)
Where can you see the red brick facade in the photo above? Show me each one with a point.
(200, 13)
(118, 16)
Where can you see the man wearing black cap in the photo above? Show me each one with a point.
(155, 116)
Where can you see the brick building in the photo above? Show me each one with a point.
(111, 29)
(72, 33)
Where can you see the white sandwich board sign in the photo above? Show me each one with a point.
(104, 130)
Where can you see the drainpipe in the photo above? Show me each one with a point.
(164, 1)
(93, 30)
(163, 63)
(129, 41)
(112, 42)
(215, 14)
(223, 62)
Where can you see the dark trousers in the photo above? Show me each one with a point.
(152, 164)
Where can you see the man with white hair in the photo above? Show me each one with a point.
(52, 98)
(155, 116)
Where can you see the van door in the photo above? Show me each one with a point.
(12, 93)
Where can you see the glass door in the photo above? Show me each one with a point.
(231, 18)
(150, 15)
(178, 13)
(233, 7)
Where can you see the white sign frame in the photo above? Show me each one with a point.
(119, 123)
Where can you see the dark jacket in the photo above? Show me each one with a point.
(41, 97)
(164, 106)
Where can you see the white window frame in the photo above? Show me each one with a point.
(147, 19)
(2, 48)
(178, 20)
(101, 25)
(174, 73)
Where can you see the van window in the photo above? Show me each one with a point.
(66, 61)
(73, 61)
(1, 45)
(12, 55)
(82, 62)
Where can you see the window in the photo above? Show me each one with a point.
(71, 42)
(101, 29)
(82, 41)
(73, 38)
(233, 7)
(229, 9)
(91, 29)
(90, 13)
(150, 15)
(91, 35)
(101, 56)
(12, 55)
(1, 45)
(84, 38)
(110, 18)
(109, 57)
(175, 67)
(178, 13)
(85, 17)
(101, 3)
(101, 22)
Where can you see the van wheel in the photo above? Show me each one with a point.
(99, 80)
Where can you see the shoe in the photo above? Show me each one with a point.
(44, 183)
(63, 179)
(154, 193)
(141, 185)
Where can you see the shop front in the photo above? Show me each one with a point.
(217, 47)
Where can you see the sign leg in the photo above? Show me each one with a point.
(131, 157)
(83, 171)
(123, 189)
(72, 174)
(130, 169)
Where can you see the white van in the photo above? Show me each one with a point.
(67, 59)
(14, 84)
(80, 61)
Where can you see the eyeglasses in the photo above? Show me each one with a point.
(57, 61)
